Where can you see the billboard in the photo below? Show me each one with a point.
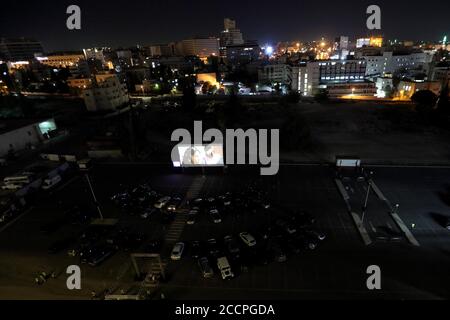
(210, 155)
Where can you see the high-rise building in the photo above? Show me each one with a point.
(201, 47)
(230, 36)
(243, 53)
(19, 49)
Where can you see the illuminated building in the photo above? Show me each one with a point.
(76, 63)
(351, 90)
(315, 75)
(106, 93)
(95, 54)
(201, 47)
(406, 89)
(230, 36)
(275, 73)
(243, 53)
(376, 42)
(79, 83)
(17, 135)
(61, 60)
(19, 49)
(389, 62)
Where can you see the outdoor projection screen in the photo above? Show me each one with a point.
(200, 156)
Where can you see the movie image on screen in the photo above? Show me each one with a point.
(201, 155)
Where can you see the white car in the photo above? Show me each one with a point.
(162, 202)
(12, 186)
(248, 239)
(177, 251)
(51, 182)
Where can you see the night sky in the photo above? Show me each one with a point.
(129, 22)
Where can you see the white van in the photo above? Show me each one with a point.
(51, 182)
(25, 178)
(224, 268)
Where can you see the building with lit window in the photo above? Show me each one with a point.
(20, 134)
(275, 73)
(316, 75)
(389, 62)
(19, 49)
(230, 36)
(201, 47)
(61, 60)
(243, 53)
(105, 93)
(76, 63)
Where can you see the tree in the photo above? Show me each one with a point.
(425, 101)
(443, 104)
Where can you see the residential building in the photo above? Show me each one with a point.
(106, 93)
(275, 73)
(407, 88)
(389, 62)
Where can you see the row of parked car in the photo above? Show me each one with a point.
(143, 201)
(286, 235)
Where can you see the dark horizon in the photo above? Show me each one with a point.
(154, 22)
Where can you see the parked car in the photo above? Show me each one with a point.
(232, 247)
(161, 203)
(248, 239)
(225, 269)
(98, 255)
(148, 213)
(306, 242)
(173, 204)
(205, 268)
(191, 219)
(177, 251)
(286, 226)
(215, 216)
(50, 183)
(315, 234)
(213, 248)
(277, 251)
(196, 249)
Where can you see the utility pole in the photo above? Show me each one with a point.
(97, 204)
(364, 209)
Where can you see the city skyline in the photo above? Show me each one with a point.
(105, 24)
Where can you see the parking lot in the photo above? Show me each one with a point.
(336, 269)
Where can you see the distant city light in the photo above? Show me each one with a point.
(268, 50)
